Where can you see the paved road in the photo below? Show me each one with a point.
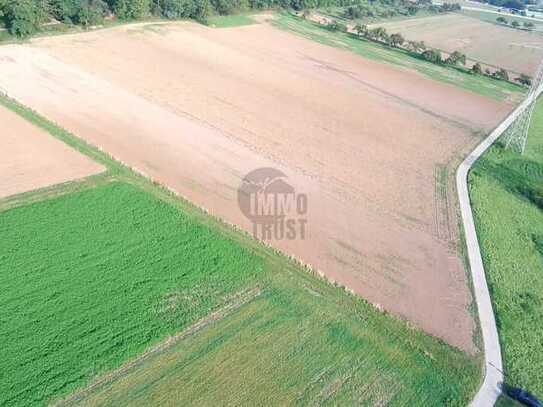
(490, 389)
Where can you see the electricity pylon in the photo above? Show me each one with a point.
(517, 134)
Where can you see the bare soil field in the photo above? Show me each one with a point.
(197, 108)
(31, 159)
(515, 50)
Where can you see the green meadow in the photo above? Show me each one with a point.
(235, 20)
(507, 193)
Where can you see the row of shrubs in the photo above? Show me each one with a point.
(528, 25)
(396, 40)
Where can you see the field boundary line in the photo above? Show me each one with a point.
(239, 299)
(490, 390)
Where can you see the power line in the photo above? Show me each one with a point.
(517, 134)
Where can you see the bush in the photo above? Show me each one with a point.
(24, 17)
(501, 74)
(91, 12)
(476, 69)
(132, 9)
(524, 79)
(432, 55)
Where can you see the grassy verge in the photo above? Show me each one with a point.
(95, 276)
(495, 89)
(230, 21)
(507, 194)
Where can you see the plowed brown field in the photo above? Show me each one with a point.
(31, 159)
(197, 108)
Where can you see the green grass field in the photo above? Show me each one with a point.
(230, 21)
(97, 272)
(498, 90)
(300, 342)
(91, 279)
(507, 193)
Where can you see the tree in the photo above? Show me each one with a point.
(131, 9)
(476, 69)
(456, 58)
(378, 33)
(501, 20)
(24, 17)
(412, 10)
(91, 12)
(361, 30)
(336, 26)
(353, 12)
(432, 55)
(396, 40)
(528, 25)
(515, 24)
(524, 79)
(417, 46)
(175, 9)
(501, 74)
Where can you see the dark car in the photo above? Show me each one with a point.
(522, 396)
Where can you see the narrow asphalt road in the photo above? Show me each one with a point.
(490, 389)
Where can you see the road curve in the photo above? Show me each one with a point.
(490, 390)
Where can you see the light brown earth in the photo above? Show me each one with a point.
(197, 108)
(512, 49)
(31, 159)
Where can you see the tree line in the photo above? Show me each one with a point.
(23, 18)
(392, 8)
(515, 24)
(419, 48)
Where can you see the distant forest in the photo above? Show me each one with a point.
(23, 18)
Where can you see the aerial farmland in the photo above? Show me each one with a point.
(135, 271)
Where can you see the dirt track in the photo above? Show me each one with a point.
(197, 108)
(31, 159)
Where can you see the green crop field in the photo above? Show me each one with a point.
(230, 21)
(95, 273)
(507, 193)
(92, 278)
(479, 84)
(300, 342)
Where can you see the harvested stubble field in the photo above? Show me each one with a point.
(94, 278)
(516, 50)
(197, 108)
(32, 159)
(507, 194)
